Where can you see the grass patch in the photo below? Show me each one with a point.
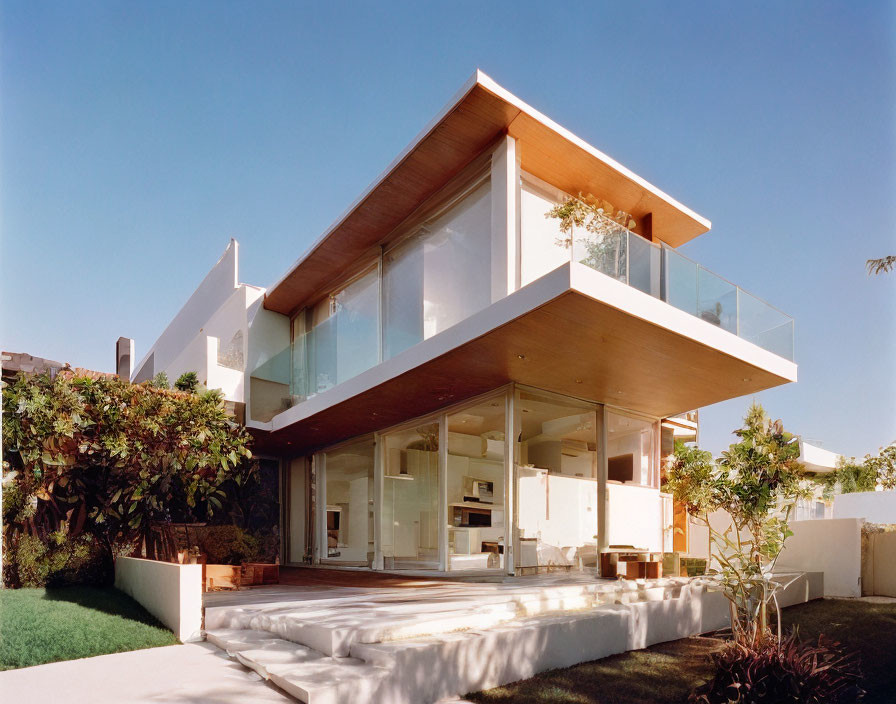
(861, 626)
(48, 625)
(666, 673)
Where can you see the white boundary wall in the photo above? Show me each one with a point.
(873, 506)
(170, 592)
(832, 546)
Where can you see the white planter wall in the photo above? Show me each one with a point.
(170, 592)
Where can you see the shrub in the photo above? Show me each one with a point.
(782, 671)
(188, 381)
(54, 562)
(228, 545)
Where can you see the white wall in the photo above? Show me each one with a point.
(635, 516)
(170, 592)
(832, 546)
(873, 506)
(217, 286)
(213, 323)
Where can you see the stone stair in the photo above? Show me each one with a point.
(306, 674)
(418, 648)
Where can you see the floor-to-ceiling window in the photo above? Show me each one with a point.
(477, 529)
(410, 501)
(342, 338)
(440, 275)
(635, 507)
(557, 482)
(348, 500)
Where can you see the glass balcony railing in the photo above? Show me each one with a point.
(662, 272)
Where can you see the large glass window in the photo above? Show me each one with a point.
(343, 339)
(348, 476)
(439, 276)
(557, 496)
(477, 530)
(410, 512)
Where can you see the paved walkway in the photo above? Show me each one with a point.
(176, 674)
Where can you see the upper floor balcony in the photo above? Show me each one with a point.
(662, 272)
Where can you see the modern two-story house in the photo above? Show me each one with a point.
(447, 383)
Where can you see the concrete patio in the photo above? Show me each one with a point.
(400, 643)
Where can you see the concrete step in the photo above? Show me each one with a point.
(306, 674)
(332, 681)
(334, 635)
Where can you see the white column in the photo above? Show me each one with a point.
(510, 483)
(603, 504)
(378, 471)
(505, 182)
(319, 463)
(443, 492)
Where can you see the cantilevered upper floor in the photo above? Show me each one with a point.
(447, 278)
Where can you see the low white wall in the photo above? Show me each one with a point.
(873, 506)
(170, 592)
(832, 546)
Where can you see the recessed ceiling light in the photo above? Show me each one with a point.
(521, 356)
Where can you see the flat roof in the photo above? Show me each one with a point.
(479, 113)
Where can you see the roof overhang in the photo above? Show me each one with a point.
(574, 331)
(479, 114)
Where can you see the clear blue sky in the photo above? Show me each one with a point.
(137, 138)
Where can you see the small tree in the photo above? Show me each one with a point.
(160, 381)
(188, 381)
(757, 481)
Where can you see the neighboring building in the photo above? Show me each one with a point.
(448, 386)
(816, 461)
(15, 363)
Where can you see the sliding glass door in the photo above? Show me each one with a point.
(348, 503)
(410, 502)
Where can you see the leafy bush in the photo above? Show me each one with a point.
(788, 670)
(228, 545)
(58, 561)
(110, 459)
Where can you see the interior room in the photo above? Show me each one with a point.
(475, 486)
(557, 498)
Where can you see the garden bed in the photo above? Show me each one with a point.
(48, 625)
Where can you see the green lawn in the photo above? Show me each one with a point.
(48, 625)
(666, 673)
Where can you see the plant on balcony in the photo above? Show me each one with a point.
(598, 226)
(758, 482)
(105, 458)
